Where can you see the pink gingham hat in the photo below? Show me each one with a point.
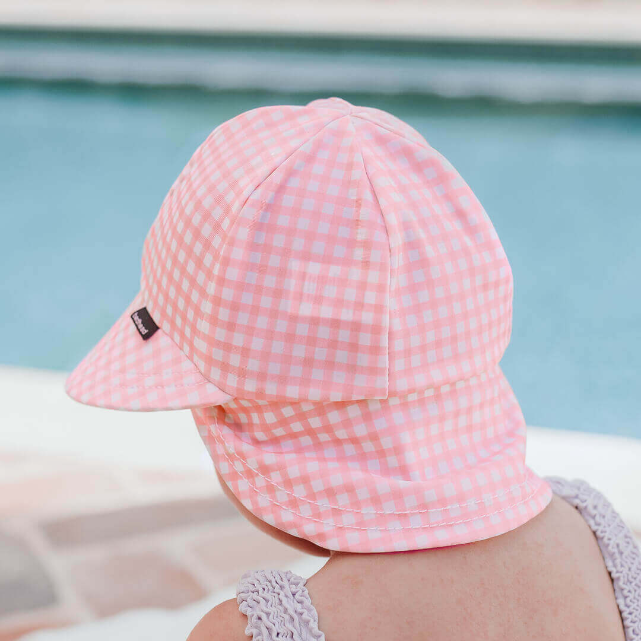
(330, 299)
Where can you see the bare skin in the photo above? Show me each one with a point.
(545, 580)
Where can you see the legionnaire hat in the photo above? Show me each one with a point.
(326, 294)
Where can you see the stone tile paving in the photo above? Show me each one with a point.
(24, 582)
(79, 542)
(135, 520)
(111, 581)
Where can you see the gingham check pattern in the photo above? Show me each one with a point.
(125, 372)
(328, 267)
(440, 467)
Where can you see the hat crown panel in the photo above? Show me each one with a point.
(451, 282)
(199, 211)
(301, 288)
(198, 269)
(307, 252)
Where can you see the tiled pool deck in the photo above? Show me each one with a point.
(80, 542)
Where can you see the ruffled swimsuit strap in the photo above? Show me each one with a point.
(278, 606)
(620, 550)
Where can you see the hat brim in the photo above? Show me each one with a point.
(125, 372)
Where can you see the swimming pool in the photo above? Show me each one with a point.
(85, 166)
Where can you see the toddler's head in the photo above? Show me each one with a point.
(327, 295)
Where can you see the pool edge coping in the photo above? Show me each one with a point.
(575, 23)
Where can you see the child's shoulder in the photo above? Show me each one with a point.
(225, 621)
(545, 579)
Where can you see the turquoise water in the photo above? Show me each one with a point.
(84, 169)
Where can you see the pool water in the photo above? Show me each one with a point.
(84, 169)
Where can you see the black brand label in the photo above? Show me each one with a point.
(144, 323)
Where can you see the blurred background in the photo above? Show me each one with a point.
(111, 522)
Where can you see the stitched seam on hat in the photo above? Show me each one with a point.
(397, 133)
(344, 509)
(408, 527)
(170, 385)
(167, 387)
(156, 375)
(389, 244)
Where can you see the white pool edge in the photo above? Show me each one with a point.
(578, 22)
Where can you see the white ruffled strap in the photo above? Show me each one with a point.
(278, 606)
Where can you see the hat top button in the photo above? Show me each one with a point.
(336, 103)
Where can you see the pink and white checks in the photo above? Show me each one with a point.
(333, 303)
